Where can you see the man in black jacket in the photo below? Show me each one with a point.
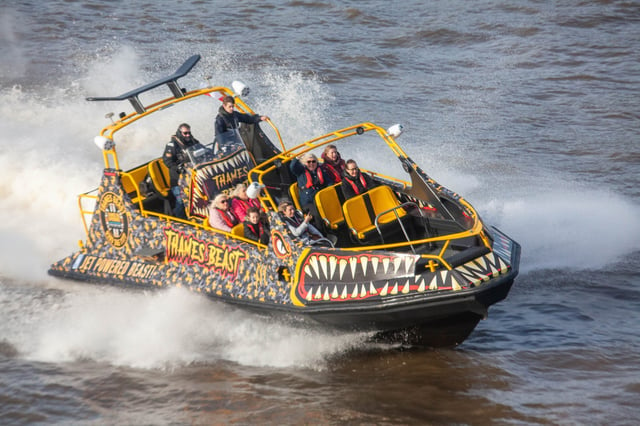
(174, 157)
(228, 121)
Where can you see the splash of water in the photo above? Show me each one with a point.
(164, 330)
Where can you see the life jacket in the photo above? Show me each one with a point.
(252, 226)
(228, 217)
(334, 167)
(354, 186)
(310, 178)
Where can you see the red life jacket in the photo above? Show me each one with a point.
(228, 217)
(252, 226)
(310, 178)
(355, 187)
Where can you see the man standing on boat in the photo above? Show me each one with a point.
(174, 157)
(228, 122)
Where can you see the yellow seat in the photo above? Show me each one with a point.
(295, 195)
(131, 183)
(159, 174)
(329, 204)
(360, 212)
(238, 230)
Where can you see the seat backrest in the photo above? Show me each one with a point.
(356, 214)
(383, 198)
(159, 174)
(131, 182)
(295, 195)
(238, 230)
(360, 211)
(330, 206)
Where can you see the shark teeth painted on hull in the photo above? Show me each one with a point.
(327, 277)
(483, 269)
(209, 172)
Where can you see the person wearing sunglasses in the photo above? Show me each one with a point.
(220, 215)
(174, 157)
(311, 177)
(354, 182)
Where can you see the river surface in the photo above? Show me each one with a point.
(530, 109)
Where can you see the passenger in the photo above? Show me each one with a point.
(333, 162)
(240, 201)
(220, 215)
(254, 228)
(355, 182)
(174, 157)
(228, 121)
(311, 177)
(299, 225)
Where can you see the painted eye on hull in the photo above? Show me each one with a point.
(280, 247)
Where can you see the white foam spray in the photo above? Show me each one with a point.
(165, 330)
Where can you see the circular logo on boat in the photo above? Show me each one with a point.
(113, 215)
(280, 246)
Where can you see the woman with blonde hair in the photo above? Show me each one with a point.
(311, 177)
(220, 215)
(240, 201)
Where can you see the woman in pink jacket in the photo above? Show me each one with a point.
(220, 215)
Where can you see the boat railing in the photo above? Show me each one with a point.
(396, 212)
(277, 134)
(86, 213)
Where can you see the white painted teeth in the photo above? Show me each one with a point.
(372, 289)
(396, 264)
(343, 265)
(385, 290)
(325, 268)
(353, 263)
(323, 264)
(326, 273)
(363, 261)
(314, 264)
(332, 268)
(483, 269)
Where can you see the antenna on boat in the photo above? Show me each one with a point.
(109, 115)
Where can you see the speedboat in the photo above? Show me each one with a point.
(410, 261)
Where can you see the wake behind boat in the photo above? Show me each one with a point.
(408, 259)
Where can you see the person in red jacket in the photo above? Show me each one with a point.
(241, 202)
